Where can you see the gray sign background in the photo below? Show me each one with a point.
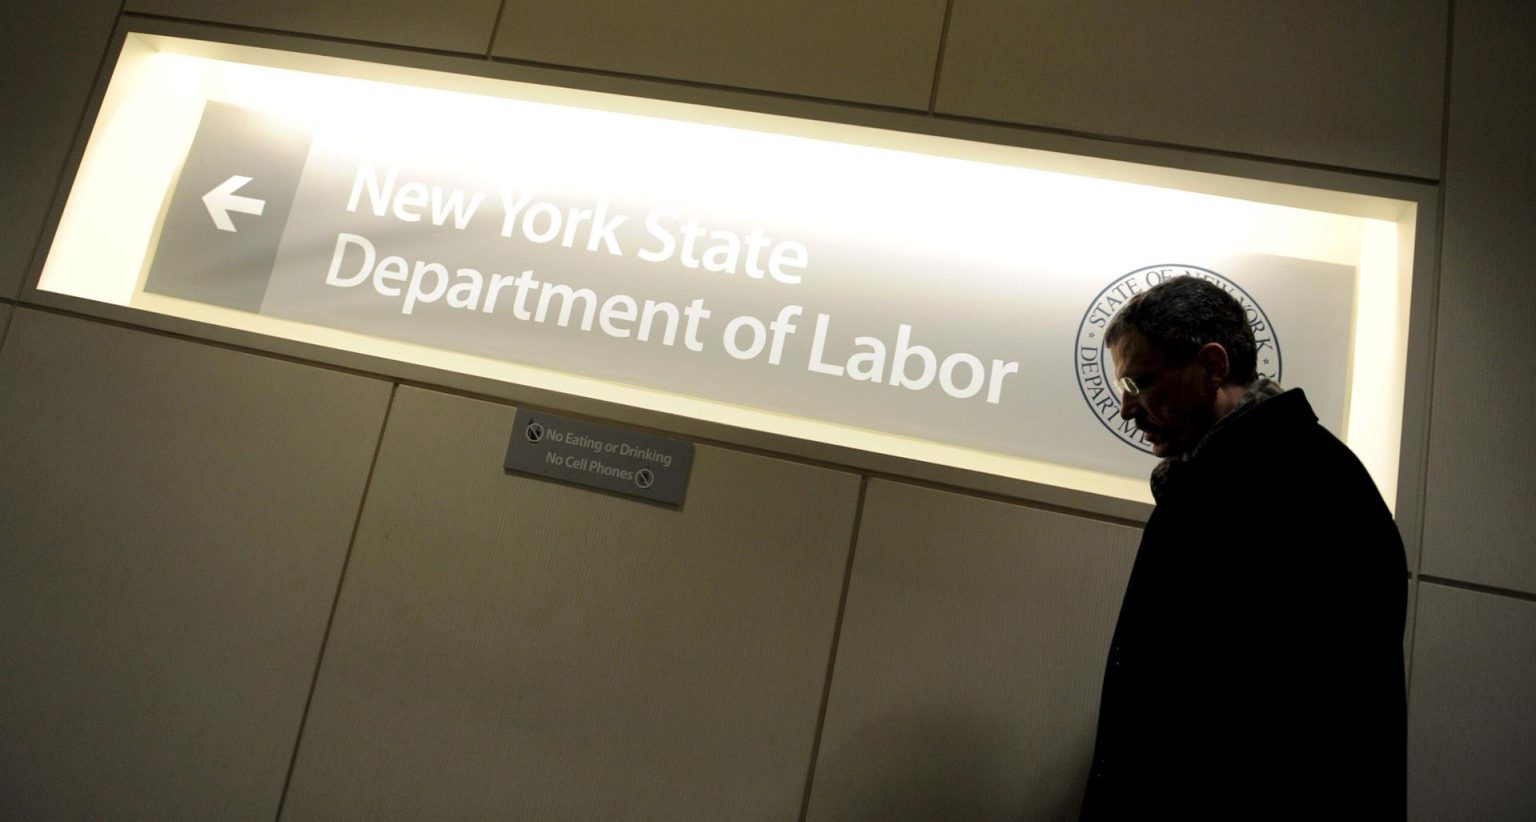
(197, 261)
(1018, 309)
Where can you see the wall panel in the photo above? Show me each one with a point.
(49, 53)
(173, 520)
(1356, 84)
(972, 651)
(866, 51)
(455, 25)
(511, 648)
(1471, 720)
(1478, 516)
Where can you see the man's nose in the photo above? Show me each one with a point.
(1128, 404)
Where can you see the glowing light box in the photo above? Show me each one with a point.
(926, 297)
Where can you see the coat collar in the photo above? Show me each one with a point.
(1225, 433)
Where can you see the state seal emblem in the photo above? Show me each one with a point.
(1095, 369)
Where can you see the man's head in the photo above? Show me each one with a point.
(1187, 347)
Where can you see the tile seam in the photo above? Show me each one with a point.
(341, 579)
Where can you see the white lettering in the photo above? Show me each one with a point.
(654, 227)
(568, 296)
(788, 253)
(603, 228)
(552, 223)
(391, 269)
(648, 315)
(1000, 370)
(342, 242)
(512, 206)
(466, 292)
(904, 354)
(818, 345)
(781, 328)
(732, 332)
(454, 206)
(414, 294)
(378, 196)
(695, 311)
(867, 366)
(947, 376)
(618, 307)
(412, 195)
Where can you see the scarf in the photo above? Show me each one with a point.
(1169, 469)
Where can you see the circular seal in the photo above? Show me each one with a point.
(1096, 370)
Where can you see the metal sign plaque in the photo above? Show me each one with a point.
(600, 456)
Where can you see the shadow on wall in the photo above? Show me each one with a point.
(941, 765)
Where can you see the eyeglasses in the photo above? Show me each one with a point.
(1128, 387)
(1136, 386)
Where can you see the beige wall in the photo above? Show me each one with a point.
(240, 580)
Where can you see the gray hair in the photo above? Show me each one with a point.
(1180, 315)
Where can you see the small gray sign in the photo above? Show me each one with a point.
(600, 456)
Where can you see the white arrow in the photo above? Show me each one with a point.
(223, 200)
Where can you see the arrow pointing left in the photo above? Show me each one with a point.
(223, 200)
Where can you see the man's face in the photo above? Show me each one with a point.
(1176, 404)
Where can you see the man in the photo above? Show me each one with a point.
(1256, 670)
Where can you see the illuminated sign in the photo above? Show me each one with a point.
(919, 296)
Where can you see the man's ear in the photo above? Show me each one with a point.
(1213, 358)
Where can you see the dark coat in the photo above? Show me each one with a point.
(1256, 670)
